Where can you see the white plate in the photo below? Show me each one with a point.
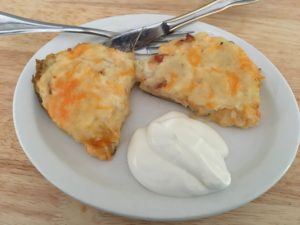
(258, 156)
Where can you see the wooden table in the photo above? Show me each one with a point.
(28, 198)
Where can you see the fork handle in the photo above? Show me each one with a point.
(211, 8)
(11, 24)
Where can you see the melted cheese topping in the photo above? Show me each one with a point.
(85, 91)
(210, 75)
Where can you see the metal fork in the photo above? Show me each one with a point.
(11, 24)
(126, 41)
(142, 36)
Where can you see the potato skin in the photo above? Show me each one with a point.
(210, 75)
(85, 91)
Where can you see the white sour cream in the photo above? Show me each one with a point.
(179, 156)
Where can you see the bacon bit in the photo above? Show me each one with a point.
(189, 38)
(161, 84)
(158, 58)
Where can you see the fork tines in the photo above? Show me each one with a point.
(172, 36)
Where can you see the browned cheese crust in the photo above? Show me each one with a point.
(85, 91)
(210, 75)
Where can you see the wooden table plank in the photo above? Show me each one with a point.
(27, 198)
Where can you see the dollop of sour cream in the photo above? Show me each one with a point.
(179, 156)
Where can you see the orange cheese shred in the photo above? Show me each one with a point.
(78, 50)
(234, 83)
(194, 57)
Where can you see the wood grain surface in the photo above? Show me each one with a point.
(27, 198)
